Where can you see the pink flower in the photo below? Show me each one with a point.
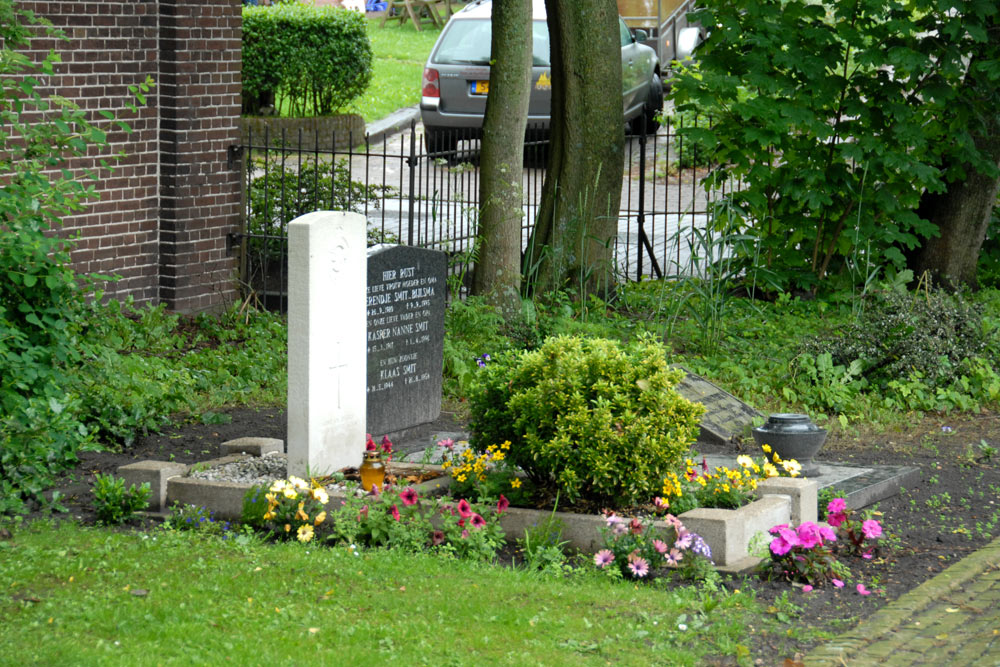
(674, 523)
(369, 443)
(809, 535)
(684, 541)
(465, 534)
(502, 504)
(463, 508)
(638, 567)
(363, 512)
(477, 521)
(660, 546)
(386, 444)
(867, 555)
(635, 526)
(774, 530)
(660, 503)
(872, 529)
(674, 557)
(837, 582)
(447, 443)
(806, 588)
(619, 528)
(408, 496)
(786, 540)
(395, 513)
(836, 506)
(461, 523)
(603, 558)
(611, 519)
(862, 590)
(704, 464)
(827, 534)
(437, 537)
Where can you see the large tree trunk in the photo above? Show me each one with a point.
(498, 261)
(573, 239)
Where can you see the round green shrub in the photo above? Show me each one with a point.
(593, 419)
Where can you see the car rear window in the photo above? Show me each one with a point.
(467, 42)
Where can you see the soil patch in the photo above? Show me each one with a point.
(953, 510)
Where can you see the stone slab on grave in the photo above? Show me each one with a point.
(726, 417)
(326, 342)
(405, 341)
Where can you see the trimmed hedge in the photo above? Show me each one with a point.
(318, 58)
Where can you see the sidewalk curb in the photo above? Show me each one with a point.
(888, 619)
(394, 122)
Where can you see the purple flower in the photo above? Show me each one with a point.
(603, 558)
(480, 363)
(701, 547)
(946, 429)
(872, 529)
(638, 567)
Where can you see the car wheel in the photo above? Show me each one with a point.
(440, 141)
(654, 104)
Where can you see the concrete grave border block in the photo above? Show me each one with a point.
(253, 446)
(157, 474)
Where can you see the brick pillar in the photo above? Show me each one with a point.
(199, 95)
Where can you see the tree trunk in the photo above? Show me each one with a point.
(498, 261)
(573, 239)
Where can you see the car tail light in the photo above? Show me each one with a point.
(431, 85)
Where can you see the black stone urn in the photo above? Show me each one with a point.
(792, 436)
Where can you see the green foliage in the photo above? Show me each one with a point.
(317, 58)
(854, 110)
(199, 519)
(41, 297)
(589, 418)
(116, 504)
(930, 333)
(282, 188)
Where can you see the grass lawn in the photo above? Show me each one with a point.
(90, 595)
(400, 54)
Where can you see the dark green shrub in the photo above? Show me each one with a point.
(282, 189)
(116, 504)
(899, 333)
(591, 419)
(317, 58)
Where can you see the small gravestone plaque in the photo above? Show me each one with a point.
(725, 415)
(406, 298)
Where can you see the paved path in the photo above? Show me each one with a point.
(952, 619)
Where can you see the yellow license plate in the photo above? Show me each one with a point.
(480, 87)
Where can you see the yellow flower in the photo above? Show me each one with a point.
(766, 448)
(725, 488)
(290, 493)
(298, 482)
(305, 533)
(460, 478)
(498, 456)
(268, 515)
(770, 470)
(278, 486)
(467, 454)
(744, 461)
(301, 514)
(792, 467)
(288, 527)
(446, 465)
(320, 518)
(321, 495)
(702, 481)
(515, 483)
(505, 445)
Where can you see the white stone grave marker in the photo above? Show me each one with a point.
(327, 368)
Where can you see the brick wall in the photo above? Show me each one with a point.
(165, 211)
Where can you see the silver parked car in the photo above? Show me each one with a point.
(457, 76)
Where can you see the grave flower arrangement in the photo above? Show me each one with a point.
(634, 548)
(401, 518)
(722, 487)
(484, 476)
(295, 508)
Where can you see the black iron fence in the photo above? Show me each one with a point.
(426, 198)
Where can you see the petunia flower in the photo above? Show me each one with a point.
(395, 512)
(369, 443)
(408, 496)
(477, 521)
(603, 558)
(437, 537)
(502, 504)
(463, 509)
(386, 444)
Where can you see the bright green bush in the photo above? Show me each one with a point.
(114, 503)
(318, 58)
(590, 418)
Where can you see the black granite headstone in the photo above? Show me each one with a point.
(725, 415)
(406, 300)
